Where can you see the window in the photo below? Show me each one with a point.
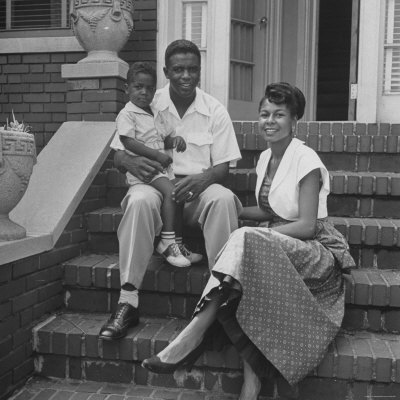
(391, 79)
(33, 14)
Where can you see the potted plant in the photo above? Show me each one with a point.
(17, 158)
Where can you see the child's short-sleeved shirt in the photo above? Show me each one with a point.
(136, 123)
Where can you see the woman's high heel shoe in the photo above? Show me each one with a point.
(154, 364)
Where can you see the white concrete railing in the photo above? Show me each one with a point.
(64, 171)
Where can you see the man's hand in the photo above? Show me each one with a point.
(179, 144)
(164, 159)
(190, 187)
(141, 167)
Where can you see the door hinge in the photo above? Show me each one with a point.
(353, 91)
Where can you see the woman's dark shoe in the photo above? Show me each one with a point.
(154, 364)
(124, 317)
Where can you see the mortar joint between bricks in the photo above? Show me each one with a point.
(374, 360)
(387, 297)
(345, 184)
(395, 234)
(93, 276)
(393, 362)
(374, 184)
(379, 238)
(370, 287)
(358, 207)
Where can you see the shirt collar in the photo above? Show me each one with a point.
(199, 105)
(134, 108)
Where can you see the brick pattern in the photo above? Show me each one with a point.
(358, 231)
(32, 86)
(311, 388)
(32, 287)
(29, 289)
(92, 285)
(328, 128)
(363, 357)
(95, 99)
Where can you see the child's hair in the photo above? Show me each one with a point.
(181, 46)
(140, 67)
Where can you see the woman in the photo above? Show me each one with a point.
(277, 291)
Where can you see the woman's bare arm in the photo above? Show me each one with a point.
(304, 227)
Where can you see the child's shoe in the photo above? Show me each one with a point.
(192, 257)
(173, 255)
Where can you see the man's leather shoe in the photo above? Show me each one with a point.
(116, 327)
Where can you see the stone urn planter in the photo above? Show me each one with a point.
(17, 158)
(102, 27)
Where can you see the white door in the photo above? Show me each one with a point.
(248, 51)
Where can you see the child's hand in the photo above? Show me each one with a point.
(179, 144)
(164, 159)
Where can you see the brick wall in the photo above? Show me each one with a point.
(31, 84)
(31, 289)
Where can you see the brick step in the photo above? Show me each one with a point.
(348, 152)
(364, 256)
(67, 345)
(335, 128)
(92, 284)
(310, 389)
(353, 194)
(358, 231)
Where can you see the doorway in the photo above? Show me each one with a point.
(335, 51)
(247, 62)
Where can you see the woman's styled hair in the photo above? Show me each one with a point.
(181, 46)
(140, 67)
(287, 94)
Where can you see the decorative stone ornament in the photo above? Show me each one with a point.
(102, 27)
(17, 158)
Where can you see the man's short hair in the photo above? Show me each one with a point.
(140, 67)
(181, 46)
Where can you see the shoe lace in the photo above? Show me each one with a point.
(175, 250)
(184, 250)
(120, 310)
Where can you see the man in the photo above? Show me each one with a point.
(211, 145)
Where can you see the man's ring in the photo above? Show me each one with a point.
(189, 195)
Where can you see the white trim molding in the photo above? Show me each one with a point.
(370, 44)
(307, 53)
(40, 45)
(274, 47)
(215, 37)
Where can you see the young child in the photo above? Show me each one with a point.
(138, 134)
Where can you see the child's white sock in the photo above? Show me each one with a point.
(129, 296)
(167, 238)
(179, 240)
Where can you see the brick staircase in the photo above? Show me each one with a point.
(364, 359)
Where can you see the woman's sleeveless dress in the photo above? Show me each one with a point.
(292, 300)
